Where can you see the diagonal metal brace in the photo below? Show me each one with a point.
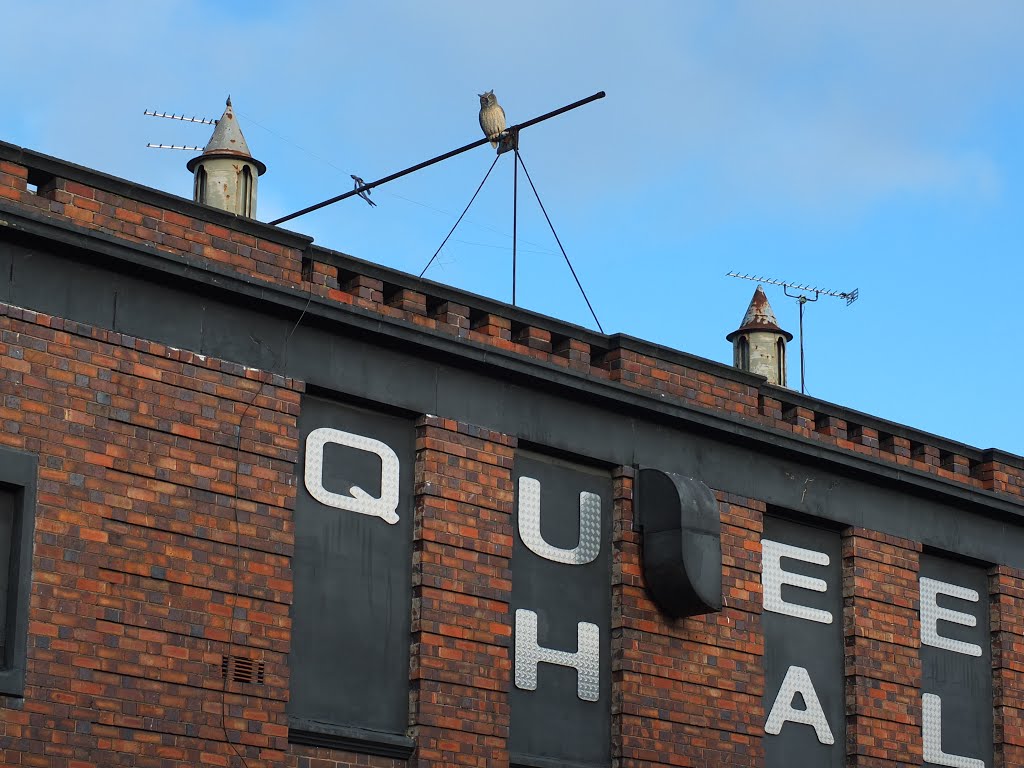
(513, 131)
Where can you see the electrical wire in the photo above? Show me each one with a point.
(486, 175)
(540, 248)
(544, 252)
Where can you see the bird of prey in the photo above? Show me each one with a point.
(365, 194)
(492, 117)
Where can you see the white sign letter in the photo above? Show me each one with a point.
(586, 660)
(360, 501)
(773, 577)
(932, 706)
(529, 526)
(931, 613)
(798, 681)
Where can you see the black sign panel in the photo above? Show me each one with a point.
(956, 664)
(802, 582)
(561, 598)
(353, 558)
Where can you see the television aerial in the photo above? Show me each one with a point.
(801, 292)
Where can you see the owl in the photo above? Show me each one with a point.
(492, 117)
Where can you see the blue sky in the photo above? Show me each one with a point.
(870, 145)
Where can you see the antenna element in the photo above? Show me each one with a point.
(172, 116)
(174, 146)
(193, 119)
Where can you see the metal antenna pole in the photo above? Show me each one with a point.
(515, 204)
(438, 159)
(802, 300)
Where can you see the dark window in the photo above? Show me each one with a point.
(17, 523)
(743, 360)
(780, 346)
(246, 192)
(200, 190)
(6, 539)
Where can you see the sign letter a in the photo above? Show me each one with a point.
(798, 681)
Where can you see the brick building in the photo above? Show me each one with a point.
(265, 504)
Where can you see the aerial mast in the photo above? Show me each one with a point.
(801, 292)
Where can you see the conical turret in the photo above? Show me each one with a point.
(226, 172)
(759, 344)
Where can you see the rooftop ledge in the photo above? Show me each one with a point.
(290, 259)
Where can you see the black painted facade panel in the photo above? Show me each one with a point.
(963, 682)
(791, 641)
(353, 582)
(64, 287)
(553, 722)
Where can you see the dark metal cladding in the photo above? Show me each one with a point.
(682, 543)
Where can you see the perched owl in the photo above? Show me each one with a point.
(492, 117)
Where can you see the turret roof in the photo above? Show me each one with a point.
(759, 317)
(227, 141)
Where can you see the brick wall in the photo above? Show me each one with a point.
(688, 692)
(302, 756)
(1006, 595)
(462, 585)
(142, 579)
(882, 631)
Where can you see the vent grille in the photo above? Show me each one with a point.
(239, 669)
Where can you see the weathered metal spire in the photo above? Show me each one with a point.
(759, 344)
(226, 172)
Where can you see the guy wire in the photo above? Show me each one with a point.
(519, 157)
(454, 226)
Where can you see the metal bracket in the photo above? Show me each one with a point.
(508, 141)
